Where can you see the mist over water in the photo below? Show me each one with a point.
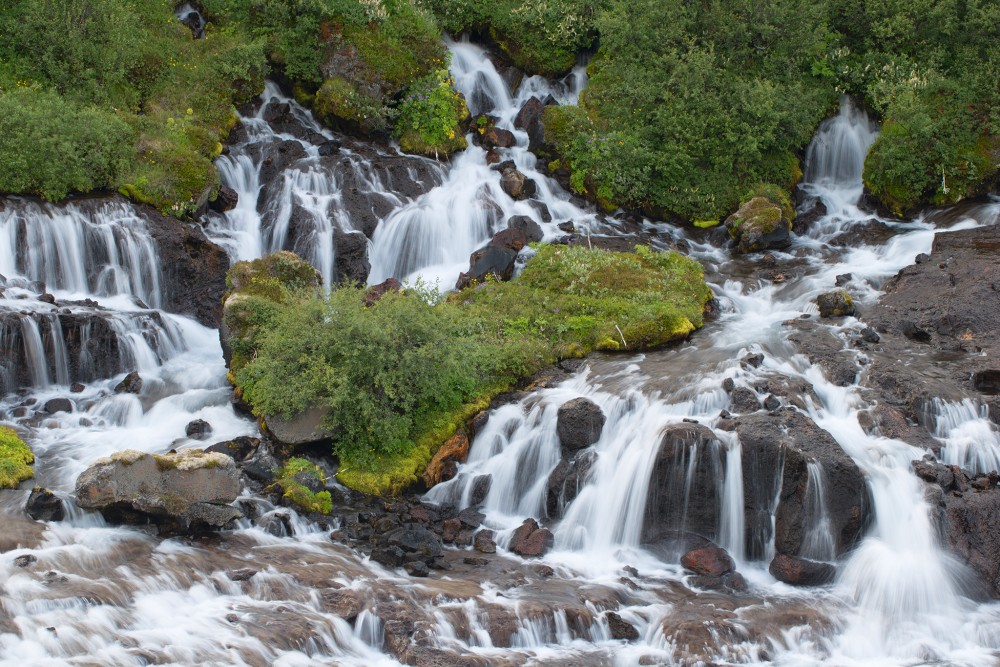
(116, 595)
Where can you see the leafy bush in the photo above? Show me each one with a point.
(15, 459)
(50, 146)
(400, 375)
(430, 116)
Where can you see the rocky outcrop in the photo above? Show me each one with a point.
(684, 488)
(497, 258)
(516, 184)
(188, 489)
(759, 225)
(453, 451)
(579, 423)
(965, 510)
(777, 448)
(351, 257)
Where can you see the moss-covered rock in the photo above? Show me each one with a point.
(15, 459)
(759, 224)
(837, 303)
(301, 483)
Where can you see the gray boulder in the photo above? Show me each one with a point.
(190, 487)
(579, 423)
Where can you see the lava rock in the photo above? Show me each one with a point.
(530, 540)
(835, 304)
(621, 629)
(43, 505)
(226, 200)
(198, 429)
(485, 542)
(743, 400)
(711, 561)
(579, 423)
(132, 384)
(801, 571)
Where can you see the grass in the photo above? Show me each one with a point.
(15, 459)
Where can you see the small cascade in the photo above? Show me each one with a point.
(835, 159)
(818, 543)
(34, 353)
(969, 439)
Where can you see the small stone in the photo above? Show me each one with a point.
(198, 429)
(417, 568)
(772, 402)
(869, 335)
(232, 618)
(485, 542)
(728, 385)
(621, 629)
(25, 560)
(244, 574)
(132, 384)
(77, 387)
(843, 279)
(450, 529)
(475, 561)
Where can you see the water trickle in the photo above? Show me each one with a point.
(819, 543)
(969, 439)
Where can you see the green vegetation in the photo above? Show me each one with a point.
(291, 478)
(539, 37)
(402, 374)
(15, 459)
(431, 115)
(116, 94)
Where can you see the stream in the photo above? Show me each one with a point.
(83, 303)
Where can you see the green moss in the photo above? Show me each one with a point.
(400, 376)
(15, 459)
(295, 492)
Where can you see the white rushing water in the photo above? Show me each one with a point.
(118, 596)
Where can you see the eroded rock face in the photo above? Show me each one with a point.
(191, 486)
(777, 448)
(454, 449)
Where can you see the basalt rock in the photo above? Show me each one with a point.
(516, 184)
(579, 423)
(351, 257)
(565, 482)
(529, 119)
(532, 230)
(801, 571)
(710, 561)
(530, 540)
(226, 200)
(132, 384)
(188, 488)
(43, 505)
(777, 448)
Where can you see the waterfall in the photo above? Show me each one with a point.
(969, 439)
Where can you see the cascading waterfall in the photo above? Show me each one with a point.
(119, 596)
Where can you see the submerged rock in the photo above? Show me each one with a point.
(191, 486)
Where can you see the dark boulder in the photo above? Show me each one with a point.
(777, 450)
(579, 423)
(516, 184)
(837, 303)
(351, 257)
(529, 119)
(415, 540)
(710, 561)
(54, 405)
(532, 230)
(490, 260)
(226, 200)
(43, 505)
(759, 225)
(497, 138)
(198, 429)
(530, 540)
(484, 542)
(132, 384)
(240, 449)
(801, 571)
(684, 487)
(743, 400)
(565, 482)
(621, 629)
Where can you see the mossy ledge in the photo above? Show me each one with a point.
(15, 459)
(401, 374)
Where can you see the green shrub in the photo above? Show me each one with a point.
(430, 116)
(15, 459)
(50, 146)
(399, 376)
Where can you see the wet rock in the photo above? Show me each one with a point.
(226, 200)
(966, 518)
(743, 400)
(416, 569)
(476, 561)
(835, 304)
(771, 402)
(532, 230)
(777, 448)
(801, 571)
(191, 486)
(198, 429)
(415, 540)
(728, 385)
(529, 119)
(869, 335)
(455, 449)
(683, 486)
(516, 184)
(304, 428)
(450, 529)
(25, 560)
(711, 561)
(241, 449)
(351, 257)
(345, 603)
(579, 423)
(843, 279)
(470, 517)
(567, 227)
(530, 540)
(621, 629)
(480, 488)
(77, 387)
(542, 209)
(55, 405)
(914, 332)
(388, 556)
(245, 574)
(43, 505)
(132, 384)
(987, 381)
(759, 225)
(565, 482)
(484, 542)
(497, 138)
(809, 215)
(752, 360)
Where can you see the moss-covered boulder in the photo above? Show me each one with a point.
(837, 303)
(189, 488)
(759, 224)
(15, 459)
(302, 484)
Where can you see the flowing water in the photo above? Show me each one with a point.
(105, 595)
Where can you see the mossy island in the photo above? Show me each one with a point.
(399, 373)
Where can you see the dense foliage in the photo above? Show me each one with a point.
(399, 374)
(15, 459)
(116, 94)
(430, 116)
(541, 37)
